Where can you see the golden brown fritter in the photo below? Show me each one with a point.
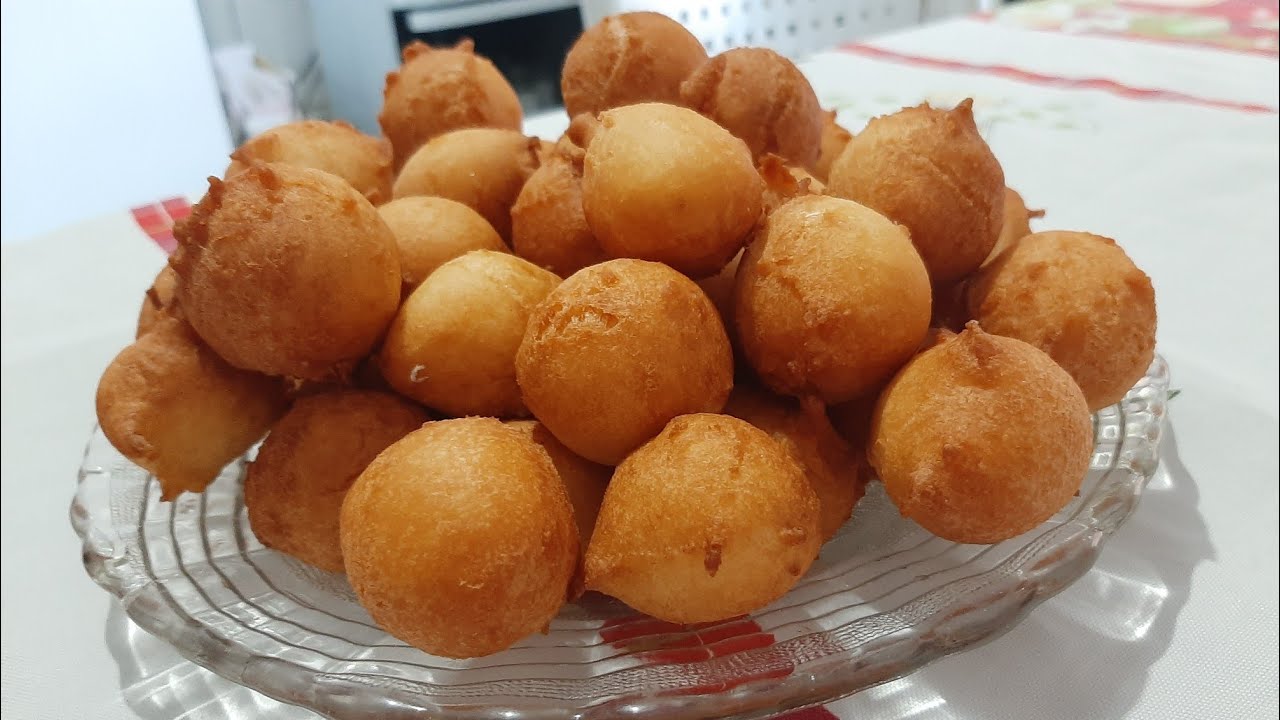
(548, 225)
(438, 90)
(334, 147)
(761, 97)
(626, 59)
(266, 274)
(459, 539)
(931, 171)
(482, 168)
(709, 520)
(830, 299)
(431, 231)
(453, 344)
(176, 409)
(294, 488)
(618, 350)
(1079, 298)
(663, 183)
(981, 438)
(160, 301)
(835, 470)
(834, 140)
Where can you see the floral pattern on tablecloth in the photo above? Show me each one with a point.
(1251, 26)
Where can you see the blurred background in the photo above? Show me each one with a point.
(113, 104)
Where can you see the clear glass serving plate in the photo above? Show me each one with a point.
(883, 599)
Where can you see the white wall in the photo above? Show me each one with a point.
(105, 106)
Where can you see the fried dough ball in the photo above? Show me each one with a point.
(294, 489)
(830, 299)
(944, 442)
(931, 171)
(459, 538)
(335, 147)
(431, 231)
(453, 344)
(833, 468)
(834, 140)
(719, 289)
(266, 273)
(548, 225)
(663, 183)
(176, 409)
(761, 97)
(584, 481)
(618, 350)
(481, 168)
(160, 301)
(438, 90)
(1079, 298)
(1016, 225)
(626, 59)
(711, 519)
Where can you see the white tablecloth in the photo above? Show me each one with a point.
(1177, 620)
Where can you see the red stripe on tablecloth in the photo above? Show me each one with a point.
(157, 220)
(1013, 73)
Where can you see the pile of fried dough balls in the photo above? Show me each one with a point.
(659, 358)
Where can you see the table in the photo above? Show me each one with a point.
(1167, 143)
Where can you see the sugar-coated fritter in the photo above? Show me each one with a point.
(981, 438)
(295, 486)
(176, 409)
(616, 351)
(459, 538)
(453, 344)
(711, 519)
(266, 271)
(1079, 298)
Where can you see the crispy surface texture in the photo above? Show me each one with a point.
(663, 183)
(459, 538)
(830, 299)
(266, 277)
(981, 438)
(482, 168)
(761, 97)
(453, 344)
(548, 225)
(1079, 298)
(931, 171)
(616, 351)
(334, 147)
(711, 519)
(834, 139)
(437, 90)
(584, 481)
(294, 488)
(835, 470)
(431, 231)
(626, 59)
(172, 406)
(160, 301)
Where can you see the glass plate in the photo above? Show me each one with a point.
(884, 598)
